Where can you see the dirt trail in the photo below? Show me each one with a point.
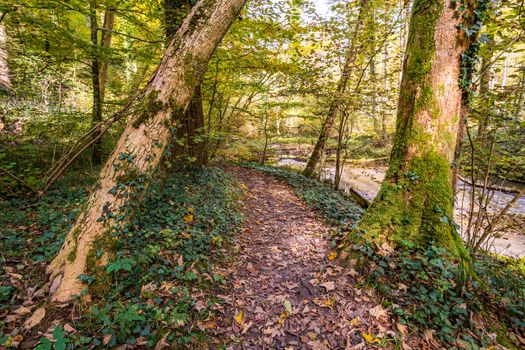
(281, 260)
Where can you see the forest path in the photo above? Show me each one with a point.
(281, 266)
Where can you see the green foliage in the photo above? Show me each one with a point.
(427, 290)
(162, 263)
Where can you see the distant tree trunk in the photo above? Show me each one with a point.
(415, 200)
(340, 138)
(521, 92)
(385, 81)
(484, 88)
(375, 117)
(139, 150)
(188, 144)
(5, 80)
(107, 35)
(341, 88)
(266, 136)
(96, 114)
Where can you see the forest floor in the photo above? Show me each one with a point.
(287, 293)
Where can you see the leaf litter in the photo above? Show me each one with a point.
(285, 284)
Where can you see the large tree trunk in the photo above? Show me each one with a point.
(188, 143)
(415, 201)
(138, 152)
(341, 88)
(96, 114)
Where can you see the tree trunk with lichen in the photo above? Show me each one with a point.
(138, 152)
(415, 200)
(333, 112)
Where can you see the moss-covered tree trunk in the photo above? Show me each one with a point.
(333, 112)
(415, 201)
(141, 146)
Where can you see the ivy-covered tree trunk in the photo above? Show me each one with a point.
(126, 174)
(333, 112)
(188, 144)
(415, 200)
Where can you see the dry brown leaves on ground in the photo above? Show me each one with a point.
(286, 293)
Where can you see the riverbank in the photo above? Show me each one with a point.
(366, 181)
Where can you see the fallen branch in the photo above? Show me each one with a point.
(19, 180)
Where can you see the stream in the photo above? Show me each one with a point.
(367, 182)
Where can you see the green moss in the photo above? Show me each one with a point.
(150, 106)
(421, 46)
(73, 253)
(415, 205)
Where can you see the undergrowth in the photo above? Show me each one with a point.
(427, 291)
(160, 283)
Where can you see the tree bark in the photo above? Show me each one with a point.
(96, 114)
(139, 150)
(415, 200)
(5, 80)
(109, 23)
(188, 144)
(341, 88)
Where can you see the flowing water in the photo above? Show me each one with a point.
(367, 182)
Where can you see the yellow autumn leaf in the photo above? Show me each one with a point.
(188, 218)
(354, 322)
(239, 318)
(332, 256)
(370, 338)
(329, 302)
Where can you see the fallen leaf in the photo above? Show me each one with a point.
(69, 329)
(428, 335)
(386, 249)
(332, 256)
(239, 318)
(36, 318)
(378, 311)
(402, 329)
(370, 338)
(162, 342)
(22, 310)
(288, 306)
(200, 305)
(354, 322)
(246, 327)
(328, 285)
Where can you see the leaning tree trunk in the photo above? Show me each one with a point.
(188, 143)
(341, 88)
(141, 146)
(415, 201)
